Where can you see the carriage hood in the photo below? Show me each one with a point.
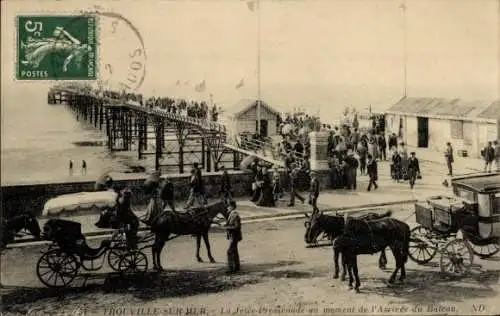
(72, 203)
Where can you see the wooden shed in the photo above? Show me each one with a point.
(431, 122)
(242, 117)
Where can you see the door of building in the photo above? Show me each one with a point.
(423, 132)
(264, 131)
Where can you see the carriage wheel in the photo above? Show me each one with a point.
(114, 257)
(56, 268)
(133, 262)
(456, 257)
(421, 249)
(485, 251)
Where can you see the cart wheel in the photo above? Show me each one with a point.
(421, 249)
(114, 257)
(56, 268)
(485, 251)
(133, 262)
(456, 257)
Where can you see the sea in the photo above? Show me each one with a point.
(39, 140)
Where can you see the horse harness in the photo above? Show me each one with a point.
(383, 225)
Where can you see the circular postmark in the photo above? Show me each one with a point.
(118, 51)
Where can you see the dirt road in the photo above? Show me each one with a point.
(279, 276)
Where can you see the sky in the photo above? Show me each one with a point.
(453, 47)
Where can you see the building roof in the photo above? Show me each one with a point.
(479, 183)
(491, 112)
(445, 108)
(243, 105)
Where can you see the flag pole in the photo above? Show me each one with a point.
(405, 49)
(258, 68)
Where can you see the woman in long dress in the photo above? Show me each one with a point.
(266, 195)
(403, 152)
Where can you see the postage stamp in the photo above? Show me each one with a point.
(56, 47)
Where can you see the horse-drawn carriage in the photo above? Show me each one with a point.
(69, 252)
(473, 211)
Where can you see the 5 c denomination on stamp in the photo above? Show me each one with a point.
(56, 47)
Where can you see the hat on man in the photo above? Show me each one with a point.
(412, 153)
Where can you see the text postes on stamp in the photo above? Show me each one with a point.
(56, 47)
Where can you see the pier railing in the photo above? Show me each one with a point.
(203, 123)
(263, 147)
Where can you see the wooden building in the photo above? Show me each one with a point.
(431, 122)
(242, 117)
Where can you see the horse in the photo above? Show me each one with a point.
(195, 222)
(333, 226)
(11, 227)
(363, 236)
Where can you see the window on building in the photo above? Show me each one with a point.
(457, 129)
(495, 204)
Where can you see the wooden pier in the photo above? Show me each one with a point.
(129, 125)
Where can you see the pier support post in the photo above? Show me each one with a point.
(182, 131)
(203, 150)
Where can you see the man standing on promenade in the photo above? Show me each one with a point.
(225, 190)
(314, 192)
(393, 142)
(201, 183)
(234, 234)
(372, 170)
(382, 146)
(413, 169)
(294, 179)
(193, 190)
(489, 156)
(497, 155)
(448, 155)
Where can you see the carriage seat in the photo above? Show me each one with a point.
(68, 235)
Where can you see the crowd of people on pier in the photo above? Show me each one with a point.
(200, 110)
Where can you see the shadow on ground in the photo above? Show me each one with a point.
(152, 285)
(426, 287)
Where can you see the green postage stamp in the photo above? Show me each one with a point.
(56, 47)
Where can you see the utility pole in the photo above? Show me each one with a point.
(405, 49)
(258, 68)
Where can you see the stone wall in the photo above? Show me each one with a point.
(32, 197)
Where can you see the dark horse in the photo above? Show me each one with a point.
(195, 222)
(363, 236)
(12, 226)
(333, 226)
